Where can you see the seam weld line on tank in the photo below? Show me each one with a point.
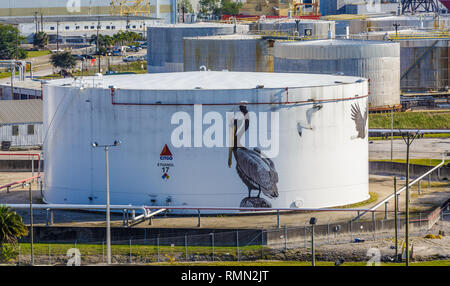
(312, 101)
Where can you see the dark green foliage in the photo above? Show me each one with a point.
(40, 40)
(63, 60)
(10, 40)
(11, 229)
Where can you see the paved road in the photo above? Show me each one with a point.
(42, 66)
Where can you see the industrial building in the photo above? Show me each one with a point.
(378, 61)
(320, 120)
(20, 90)
(72, 30)
(29, 8)
(21, 123)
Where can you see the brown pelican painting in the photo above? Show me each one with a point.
(360, 121)
(256, 171)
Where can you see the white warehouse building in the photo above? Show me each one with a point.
(21, 122)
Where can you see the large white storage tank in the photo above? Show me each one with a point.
(376, 60)
(165, 43)
(309, 131)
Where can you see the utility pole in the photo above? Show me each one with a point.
(408, 137)
(392, 133)
(98, 27)
(396, 29)
(312, 222)
(395, 222)
(42, 22)
(31, 225)
(36, 21)
(57, 36)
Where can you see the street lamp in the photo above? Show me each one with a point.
(108, 221)
(408, 137)
(312, 222)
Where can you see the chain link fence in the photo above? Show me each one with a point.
(232, 245)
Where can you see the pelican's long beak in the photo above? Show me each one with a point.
(230, 150)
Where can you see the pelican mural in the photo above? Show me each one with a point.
(360, 121)
(256, 171)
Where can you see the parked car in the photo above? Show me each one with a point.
(130, 59)
(78, 57)
(110, 72)
(86, 56)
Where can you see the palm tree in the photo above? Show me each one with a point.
(11, 226)
(11, 229)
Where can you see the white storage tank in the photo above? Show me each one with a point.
(165, 43)
(208, 139)
(376, 60)
(230, 52)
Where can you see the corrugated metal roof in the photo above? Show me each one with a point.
(20, 111)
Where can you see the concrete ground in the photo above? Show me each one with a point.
(381, 186)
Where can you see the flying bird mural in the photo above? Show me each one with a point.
(360, 121)
(255, 170)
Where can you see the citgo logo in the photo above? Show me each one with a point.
(166, 154)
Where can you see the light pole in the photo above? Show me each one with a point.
(408, 137)
(312, 222)
(396, 219)
(108, 221)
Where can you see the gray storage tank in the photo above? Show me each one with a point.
(316, 29)
(375, 60)
(165, 43)
(247, 53)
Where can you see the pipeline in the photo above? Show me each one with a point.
(146, 208)
(18, 182)
(287, 102)
(373, 209)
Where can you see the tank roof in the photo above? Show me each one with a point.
(335, 43)
(227, 37)
(211, 80)
(193, 26)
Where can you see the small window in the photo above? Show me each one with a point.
(77, 27)
(23, 96)
(15, 130)
(108, 27)
(92, 27)
(86, 27)
(52, 28)
(67, 27)
(134, 26)
(113, 27)
(30, 129)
